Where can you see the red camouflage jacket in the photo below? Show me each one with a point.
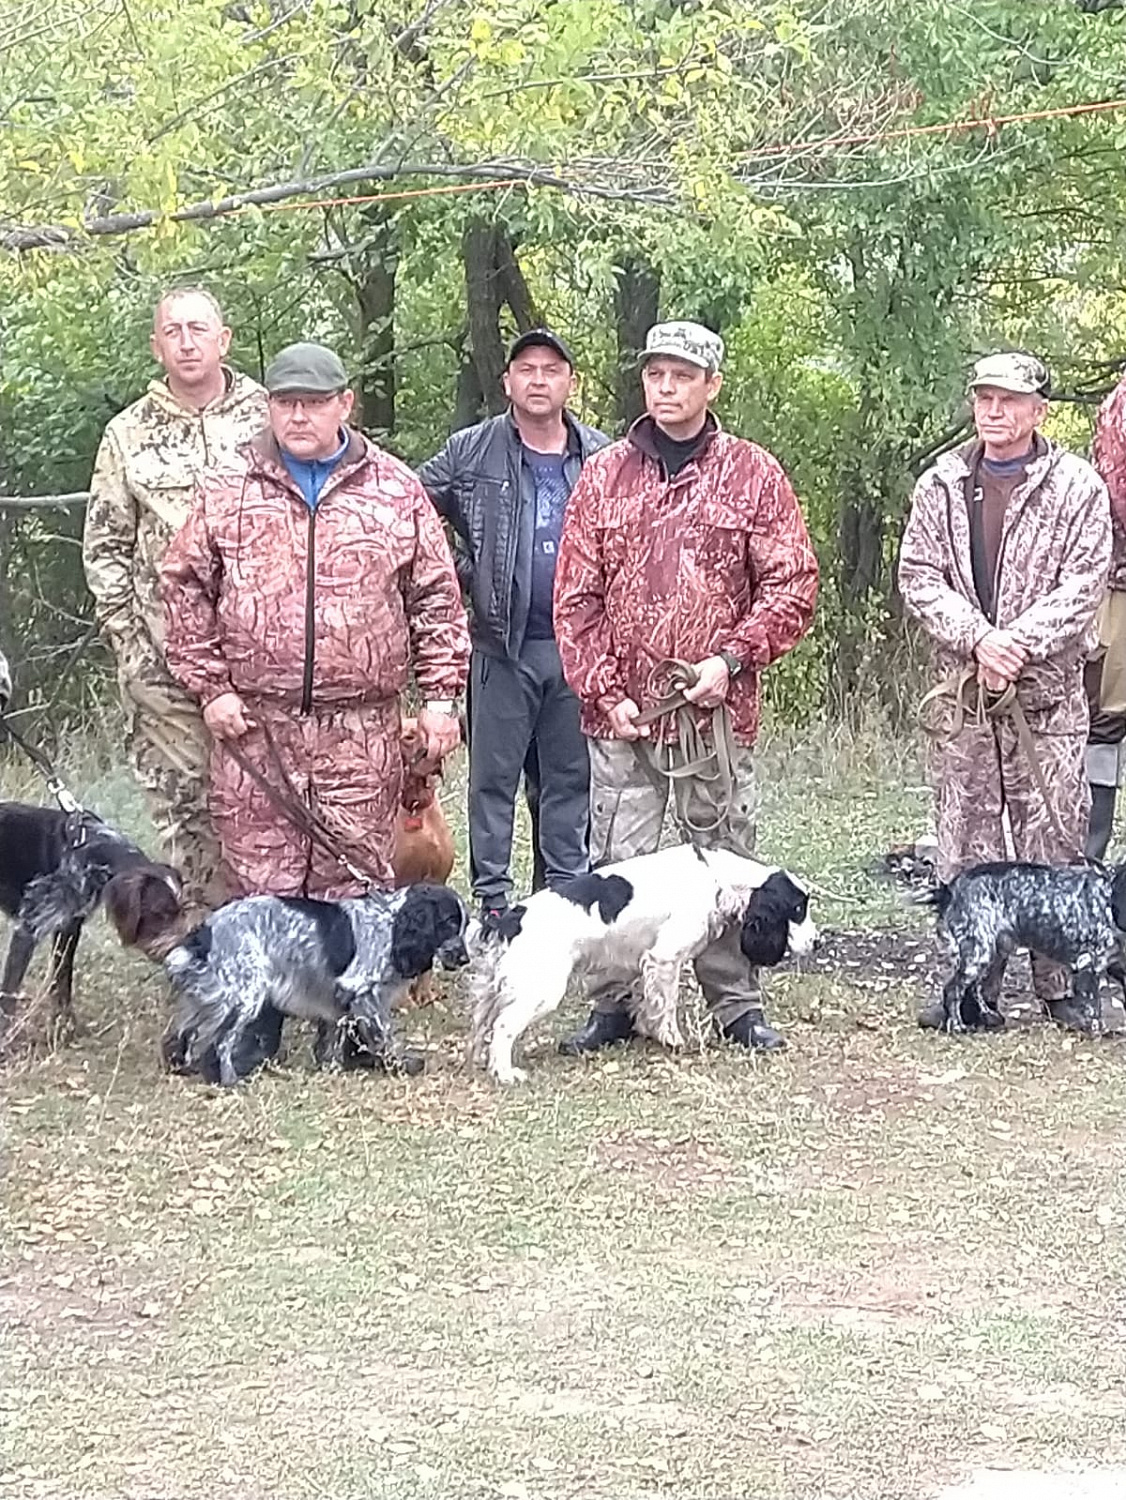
(1108, 454)
(716, 559)
(313, 608)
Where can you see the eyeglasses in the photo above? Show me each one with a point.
(307, 403)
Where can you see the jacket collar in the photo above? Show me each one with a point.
(237, 389)
(266, 459)
(961, 463)
(574, 434)
(642, 435)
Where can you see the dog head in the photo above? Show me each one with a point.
(143, 903)
(431, 925)
(776, 921)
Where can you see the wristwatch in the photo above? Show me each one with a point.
(734, 665)
(441, 706)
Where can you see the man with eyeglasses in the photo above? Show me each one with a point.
(148, 464)
(312, 578)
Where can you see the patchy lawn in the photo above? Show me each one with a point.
(860, 1270)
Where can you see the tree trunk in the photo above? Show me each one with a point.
(467, 402)
(482, 295)
(513, 288)
(637, 289)
(375, 299)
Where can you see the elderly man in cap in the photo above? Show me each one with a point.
(309, 581)
(685, 569)
(150, 459)
(1004, 563)
(503, 485)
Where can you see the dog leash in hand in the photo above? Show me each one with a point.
(970, 699)
(288, 801)
(688, 755)
(57, 787)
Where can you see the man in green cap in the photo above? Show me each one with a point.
(311, 579)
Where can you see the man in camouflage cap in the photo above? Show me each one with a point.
(1004, 563)
(149, 462)
(680, 541)
(312, 576)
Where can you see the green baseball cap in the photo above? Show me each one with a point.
(306, 369)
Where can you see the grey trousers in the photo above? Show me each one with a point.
(515, 705)
(628, 798)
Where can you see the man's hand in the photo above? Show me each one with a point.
(712, 684)
(623, 721)
(990, 681)
(225, 717)
(1000, 655)
(439, 735)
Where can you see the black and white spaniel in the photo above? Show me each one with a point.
(343, 964)
(1074, 914)
(640, 920)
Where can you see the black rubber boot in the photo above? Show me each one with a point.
(974, 1017)
(602, 1029)
(750, 1030)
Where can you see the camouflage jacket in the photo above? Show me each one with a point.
(1051, 575)
(313, 607)
(715, 559)
(149, 462)
(1108, 454)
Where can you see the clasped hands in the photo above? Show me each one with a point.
(1000, 660)
(710, 689)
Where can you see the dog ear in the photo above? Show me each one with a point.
(1118, 898)
(143, 906)
(765, 932)
(419, 929)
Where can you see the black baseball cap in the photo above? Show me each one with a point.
(541, 338)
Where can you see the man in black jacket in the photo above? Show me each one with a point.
(503, 485)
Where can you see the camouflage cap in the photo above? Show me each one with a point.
(689, 341)
(1023, 373)
(308, 369)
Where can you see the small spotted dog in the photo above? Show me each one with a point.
(1074, 914)
(639, 918)
(343, 964)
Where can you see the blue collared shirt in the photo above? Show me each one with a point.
(311, 474)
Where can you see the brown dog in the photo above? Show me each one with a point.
(424, 846)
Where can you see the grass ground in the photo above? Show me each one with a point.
(855, 1271)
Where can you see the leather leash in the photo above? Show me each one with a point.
(973, 703)
(688, 755)
(58, 789)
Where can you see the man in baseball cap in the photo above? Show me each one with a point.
(311, 579)
(503, 485)
(1004, 563)
(683, 541)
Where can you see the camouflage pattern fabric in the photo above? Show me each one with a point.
(1052, 567)
(1108, 453)
(148, 464)
(384, 598)
(347, 764)
(628, 800)
(716, 559)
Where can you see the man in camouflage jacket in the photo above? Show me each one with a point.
(312, 575)
(680, 541)
(1004, 563)
(1106, 744)
(144, 478)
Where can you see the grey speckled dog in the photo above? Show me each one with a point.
(1075, 914)
(342, 964)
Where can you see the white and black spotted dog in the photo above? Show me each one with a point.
(1074, 914)
(640, 920)
(343, 964)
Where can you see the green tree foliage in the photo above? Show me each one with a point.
(713, 154)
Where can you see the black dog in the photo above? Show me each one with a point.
(56, 868)
(1075, 915)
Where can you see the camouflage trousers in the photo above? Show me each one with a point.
(629, 796)
(169, 747)
(982, 774)
(346, 763)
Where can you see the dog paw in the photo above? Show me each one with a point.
(510, 1074)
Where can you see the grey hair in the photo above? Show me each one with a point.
(173, 293)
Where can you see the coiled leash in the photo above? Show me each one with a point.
(57, 787)
(690, 754)
(973, 703)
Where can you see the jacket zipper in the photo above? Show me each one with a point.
(310, 620)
